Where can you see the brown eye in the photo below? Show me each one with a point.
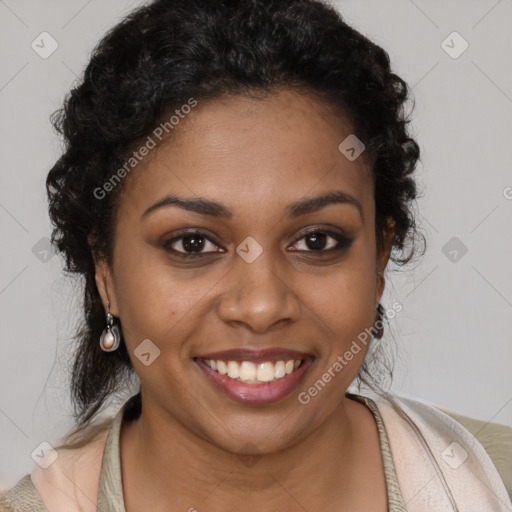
(191, 244)
(322, 241)
(316, 241)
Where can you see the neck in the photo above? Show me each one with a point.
(177, 466)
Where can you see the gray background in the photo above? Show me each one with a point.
(454, 333)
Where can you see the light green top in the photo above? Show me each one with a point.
(24, 496)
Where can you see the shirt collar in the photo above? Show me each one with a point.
(110, 492)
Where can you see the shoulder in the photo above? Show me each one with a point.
(23, 496)
(496, 440)
(427, 443)
(70, 483)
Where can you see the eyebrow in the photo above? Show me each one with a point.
(206, 206)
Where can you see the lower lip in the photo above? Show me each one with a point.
(256, 394)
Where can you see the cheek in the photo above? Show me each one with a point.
(154, 301)
(345, 302)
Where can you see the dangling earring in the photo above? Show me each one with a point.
(110, 337)
(380, 317)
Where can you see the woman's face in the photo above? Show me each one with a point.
(255, 279)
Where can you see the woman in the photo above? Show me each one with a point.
(236, 178)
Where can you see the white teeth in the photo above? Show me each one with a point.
(247, 371)
(233, 371)
(280, 369)
(265, 372)
(222, 367)
(251, 373)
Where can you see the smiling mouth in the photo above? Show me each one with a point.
(256, 383)
(254, 373)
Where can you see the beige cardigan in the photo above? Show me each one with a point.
(495, 438)
(418, 438)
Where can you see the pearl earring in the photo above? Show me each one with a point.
(110, 337)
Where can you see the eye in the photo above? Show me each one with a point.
(321, 241)
(190, 245)
(194, 244)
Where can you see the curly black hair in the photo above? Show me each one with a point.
(168, 51)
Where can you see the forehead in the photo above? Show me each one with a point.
(247, 152)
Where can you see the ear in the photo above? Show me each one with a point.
(105, 284)
(383, 257)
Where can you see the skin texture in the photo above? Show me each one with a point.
(255, 156)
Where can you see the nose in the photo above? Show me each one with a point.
(259, 295)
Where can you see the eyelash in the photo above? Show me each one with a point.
(343, 242)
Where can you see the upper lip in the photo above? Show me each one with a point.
(256, 355)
